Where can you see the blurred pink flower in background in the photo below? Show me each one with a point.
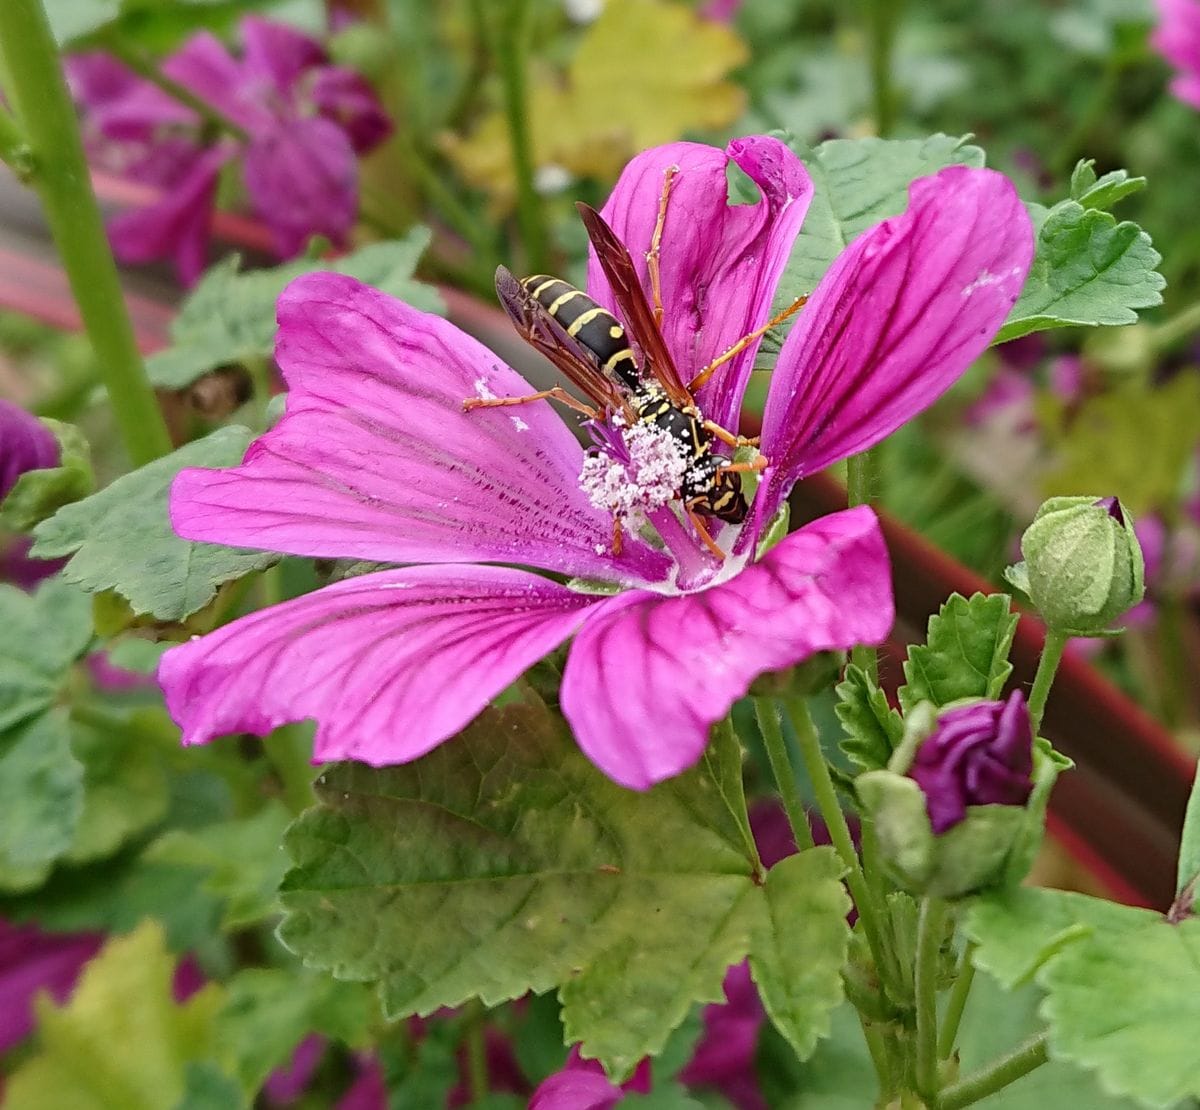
(1177, 38)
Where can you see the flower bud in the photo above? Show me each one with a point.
(962, 804)
(25, 444)
(1082, 565)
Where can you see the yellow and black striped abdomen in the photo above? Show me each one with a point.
(594, 328)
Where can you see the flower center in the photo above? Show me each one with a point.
(633, 470)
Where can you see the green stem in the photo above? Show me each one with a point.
(1052, 652)
(957, 1003)
(289, 749)
(781, 767)
(135, 60)
(14, 150)
(477, 1070)
(930, 927)
(860, 490)
(877, 1047)
(996, 1076)
(511, 45)
(1174, 664)
(839, 831)
(1177, 328)
(60, 176)
(882, 16)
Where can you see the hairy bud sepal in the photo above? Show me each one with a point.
(1082, 565)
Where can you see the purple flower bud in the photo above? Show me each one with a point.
(981, 754)
(25, 444)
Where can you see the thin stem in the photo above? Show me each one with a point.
(781, 767)
(860, 490)
(930, 927)
(877, 1047)
(60, 176)
(1052, 651)
(957, 1003)
(477, 1070)
(135, 60)
(996, 1076)
(882, 16)
(1178, 327)
(290, 751)
(511, 45)
(835, 821)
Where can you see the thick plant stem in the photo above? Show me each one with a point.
(511, 43)
(1052, 652)
(781, 768)
(957, 1003)
(59, 173)
(996, 1076)
(882, 16)
(289, 749)
(839, 831)
(477, 1069)
(930, 927)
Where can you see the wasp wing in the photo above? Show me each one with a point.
(547, 336)
(639, 316)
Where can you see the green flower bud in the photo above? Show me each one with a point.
(1083, 565)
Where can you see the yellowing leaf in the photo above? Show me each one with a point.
(122, 1040)
(646, 72)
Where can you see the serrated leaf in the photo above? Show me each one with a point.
(797, 961)
(241, 861)
(857, 183)
(1187, 887)
(121, 538)
(121, 1040)
(872, 727)
(1105, 191)
(38, 494)
(503, 862)
(44, 633)
(621, 65)
(41, 798)
(965, 654)
(229, 318)
(1087, 270)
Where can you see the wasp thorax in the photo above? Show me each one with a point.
(634, 469)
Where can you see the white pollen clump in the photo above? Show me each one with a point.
(649, 480)
(984, 279)
(520, 424)
(483, 391)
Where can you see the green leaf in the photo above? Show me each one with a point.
(135, 654)
(797, 961)
(840, 1075)
(1189, 855)
(1107, 190)
(1088, 270)
(207, 1087)
(44, 633)
(872, 727)
(121, 538)
(229, 318)
(1122, 986)
(121, 1040)
(503, 862)
(965, 654)
(241, 860)
(40, 493)
(857, 183)
(41, 798)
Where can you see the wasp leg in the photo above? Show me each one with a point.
(743, 343)
(555, 394)
(725, 436)
(702, 531)
(746, 467)
(655, 251)
(618, 536)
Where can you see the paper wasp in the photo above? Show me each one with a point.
(592, 349)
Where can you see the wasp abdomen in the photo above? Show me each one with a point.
(594, 328)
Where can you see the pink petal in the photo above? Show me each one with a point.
(895, 321)
(277, 52)
(648, 674)
(375, 458)
(720, 263)
(342, 96)
(389, 664)
(177, 225)
(205, 67)
(302, 178)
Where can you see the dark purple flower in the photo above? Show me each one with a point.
(24, 572)
(304, 120)
(1177, 38)
(979, 754)
(288, 1083)
(724, 1057)
(25, 444)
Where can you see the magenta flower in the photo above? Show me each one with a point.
(979, 754)
(25, 444)
(304, 123)
(376, 459)
(1177, 39)
(582, 1085)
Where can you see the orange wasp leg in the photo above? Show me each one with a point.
(717, 432)
(702, 532)
(555, 394)
(655, 251)
(747, 467)
(743, 343)
(617, 536)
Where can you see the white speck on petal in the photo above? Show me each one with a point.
(483, 390)
(985, 278)
(520, 424)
